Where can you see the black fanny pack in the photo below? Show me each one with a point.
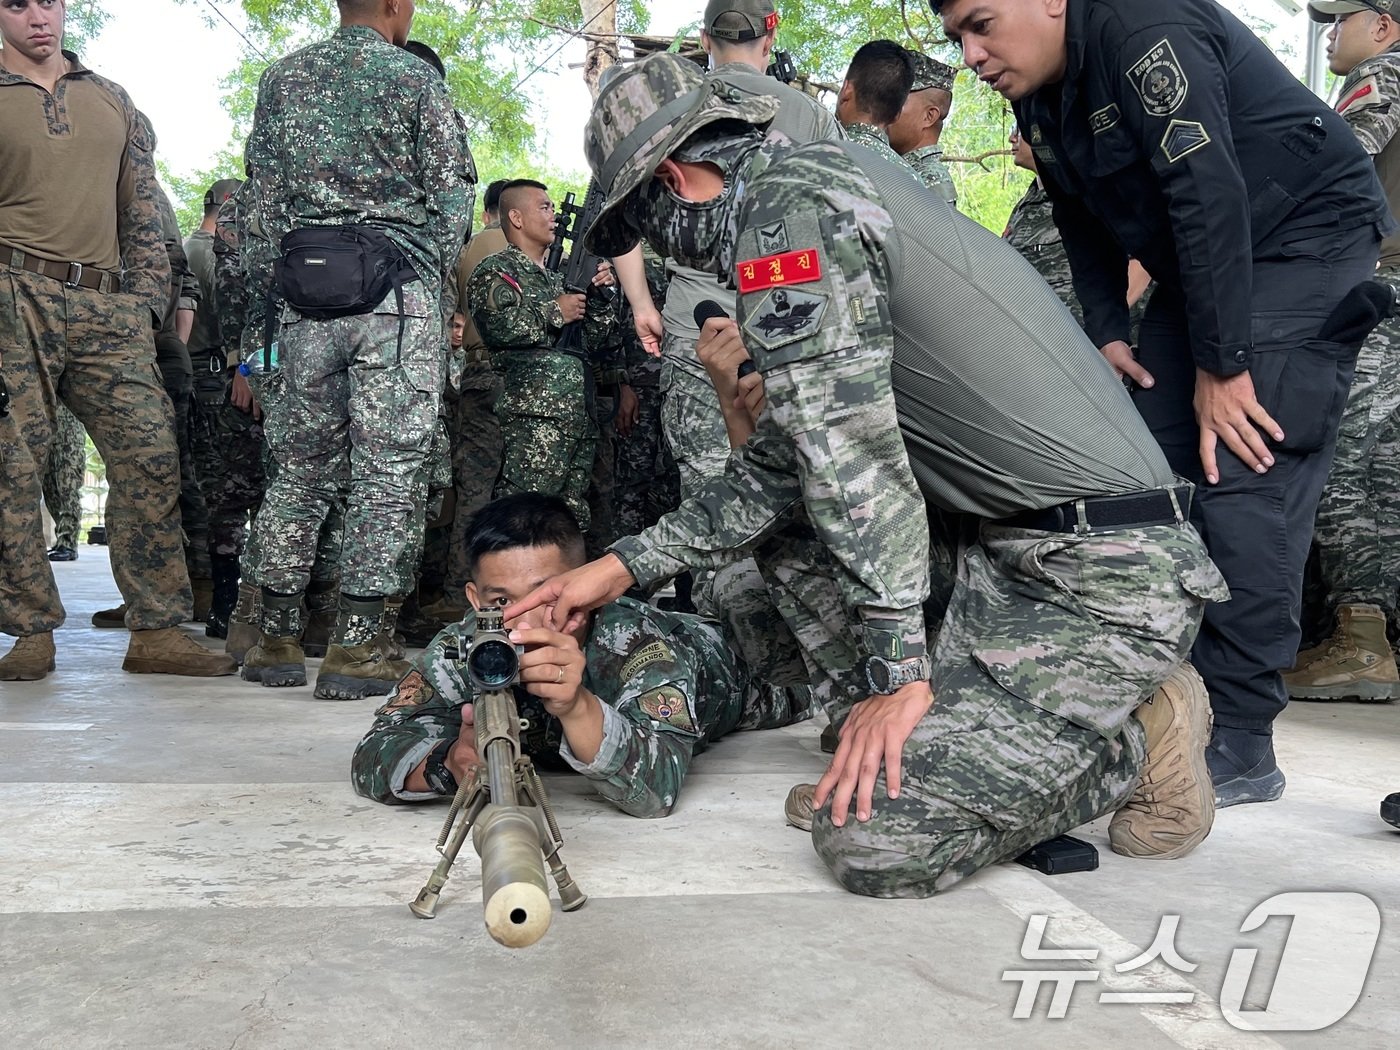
(327, 272)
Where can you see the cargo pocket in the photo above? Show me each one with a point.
(1304, 388)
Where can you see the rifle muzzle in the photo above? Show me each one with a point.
(513, 889)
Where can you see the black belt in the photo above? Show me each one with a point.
(1135, 510)
(74, 275)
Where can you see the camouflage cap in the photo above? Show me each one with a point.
(931, 73)
(640, 118)
(1331, 10)
(740, 19)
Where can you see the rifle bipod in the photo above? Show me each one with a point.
(514, 842)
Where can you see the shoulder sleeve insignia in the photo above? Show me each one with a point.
(668, 705)
(1183, 137)
(652, 653)
(800, 267)
(505, 292)
(1102, 119)
(1159, 80)
(785, 315)
(1364, 94)
(413, 690)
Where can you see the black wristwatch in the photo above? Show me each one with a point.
(889, 676)
(435, 771)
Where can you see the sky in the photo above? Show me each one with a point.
(171, 59)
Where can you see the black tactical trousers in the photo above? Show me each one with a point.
(1258, 527)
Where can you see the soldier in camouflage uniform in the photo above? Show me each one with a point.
(1357, 535)
(63, 483)
(85, 283)
(548, 431)
(1085, 587)
(739, 36)
(627, 700)
(915, 134)
(227, 440)
(358, 406)
(648, 484)
(873, 95)
(1031, 230)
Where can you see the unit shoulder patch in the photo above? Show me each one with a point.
(785, 315)
(1159, 80)
(1102, 119)
(668, 704)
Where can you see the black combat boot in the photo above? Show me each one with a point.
(225, 570)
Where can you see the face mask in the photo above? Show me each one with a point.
(696, 235)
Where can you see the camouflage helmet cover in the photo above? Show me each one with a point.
(640, 118)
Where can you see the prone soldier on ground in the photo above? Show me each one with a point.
(627, 699)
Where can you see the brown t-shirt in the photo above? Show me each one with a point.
(488, 242)
(54, 151)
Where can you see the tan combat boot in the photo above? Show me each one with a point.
(243, 630)
(170, 651)
(110, 617)
(29, 660)
(800, 806)
(1357, 664)
(357, 671)
(1173, 807)
(275, 662)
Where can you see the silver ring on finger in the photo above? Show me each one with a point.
(558, 675)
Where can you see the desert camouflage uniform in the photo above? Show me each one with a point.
(648, 484)
(63, 480)
(669, 685)
(548, 432)
(93, 352)
(927, 162)
(1051, 640)
(358, 403)
(1358, 519)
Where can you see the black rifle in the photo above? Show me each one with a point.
(782, 68)
(579, 268)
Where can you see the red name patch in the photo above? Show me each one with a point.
(788, 268)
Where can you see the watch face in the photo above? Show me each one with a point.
(878, 672)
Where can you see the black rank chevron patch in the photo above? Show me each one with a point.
(1183, 137)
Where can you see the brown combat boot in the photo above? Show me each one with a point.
(1355, 664)
(800, 806)
(357, 671)
(243, 630)
(170, 651)
(275, 662)
(1173, 807)
(110, 617)
(29, 660)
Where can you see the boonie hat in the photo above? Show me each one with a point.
(641, 116)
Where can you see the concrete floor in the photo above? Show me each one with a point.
(183, 864)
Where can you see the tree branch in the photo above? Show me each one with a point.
(980, 159)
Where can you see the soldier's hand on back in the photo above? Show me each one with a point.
(572, 305)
